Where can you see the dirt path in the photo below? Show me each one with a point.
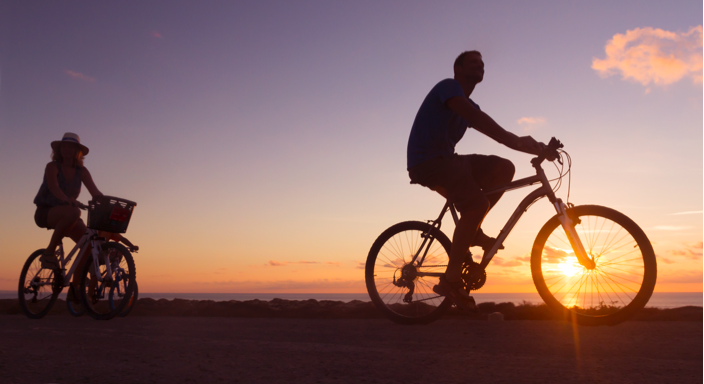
(178, 349)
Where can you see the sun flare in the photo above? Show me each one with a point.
(569, 268)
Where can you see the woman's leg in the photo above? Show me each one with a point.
(76, 232)
(61, 219)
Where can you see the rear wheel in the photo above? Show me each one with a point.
(95, 294)
(399, 288)
(622, 281)
(38, 287)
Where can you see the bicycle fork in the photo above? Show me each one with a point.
(568, 225)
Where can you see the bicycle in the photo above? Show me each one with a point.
(110, 265)
(605, 282)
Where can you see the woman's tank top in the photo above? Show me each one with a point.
(71, 188)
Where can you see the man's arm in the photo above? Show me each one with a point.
(486, 125)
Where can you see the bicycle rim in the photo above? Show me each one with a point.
(621, 283)
(38, 288)
(392, 281)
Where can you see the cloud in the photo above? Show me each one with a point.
(156, 34)
(554, 255)
(669, 228)
(273, 263)
(665, 260)
(510, 263)
(686, 213)
(530, 123)
(690, 251)
(649, 55)
(361, 265)
(80, 76)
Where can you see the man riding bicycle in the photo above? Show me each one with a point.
(442, 120)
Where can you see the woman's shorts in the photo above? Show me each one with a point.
(41, 215)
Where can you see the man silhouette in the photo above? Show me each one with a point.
(442, 120)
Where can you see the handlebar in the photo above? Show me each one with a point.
(549, 152)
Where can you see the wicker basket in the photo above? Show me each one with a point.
(109, 213)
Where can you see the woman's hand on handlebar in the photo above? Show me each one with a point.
(75, 203)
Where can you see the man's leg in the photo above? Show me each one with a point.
(491, 172)
(466, 229)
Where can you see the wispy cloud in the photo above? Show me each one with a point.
(554, 255)
(506, 263)
(79, 76)
(691, 251)
(669, 228)
(665, 260)
(530, 123)
(274, 263)
(156, 34)
(686, 213)
(652, 55)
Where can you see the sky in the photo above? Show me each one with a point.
(265, 142)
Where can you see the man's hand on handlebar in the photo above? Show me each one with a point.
(528, 144)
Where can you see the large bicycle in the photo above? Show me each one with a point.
(107, 280)
(591, 264)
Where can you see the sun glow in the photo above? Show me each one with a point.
(569, 268)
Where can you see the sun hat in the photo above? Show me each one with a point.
(71, 138)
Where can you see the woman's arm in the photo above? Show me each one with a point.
(88, 182)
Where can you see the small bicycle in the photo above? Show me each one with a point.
(108, 279)
(591, 264)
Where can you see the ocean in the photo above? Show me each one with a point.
(659, 299)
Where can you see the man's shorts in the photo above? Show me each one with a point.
(460, 178)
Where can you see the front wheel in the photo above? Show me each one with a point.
(401, 289)
(622, 281)
(117, 294)
(95, 294)
(38, 287)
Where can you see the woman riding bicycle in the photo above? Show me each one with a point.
(57, 207)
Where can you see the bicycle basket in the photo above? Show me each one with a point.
(109, 213)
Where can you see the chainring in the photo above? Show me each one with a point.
(473, 275)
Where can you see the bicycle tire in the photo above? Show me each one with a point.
(95, 299)
(391, 252)
(35, 299)
(131, 302)
(625, 273)
(75, 309)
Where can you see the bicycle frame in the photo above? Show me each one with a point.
(544, 190)
(91, 236)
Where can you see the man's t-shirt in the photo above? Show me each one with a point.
(436, 129)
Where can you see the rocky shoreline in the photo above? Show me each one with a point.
(326, 309)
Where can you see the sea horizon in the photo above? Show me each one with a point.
(659, 299)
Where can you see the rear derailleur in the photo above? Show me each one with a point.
(408, 275)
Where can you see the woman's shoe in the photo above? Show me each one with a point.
(49, 261)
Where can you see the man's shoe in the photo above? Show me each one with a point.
(484, 241)
(455, 291)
